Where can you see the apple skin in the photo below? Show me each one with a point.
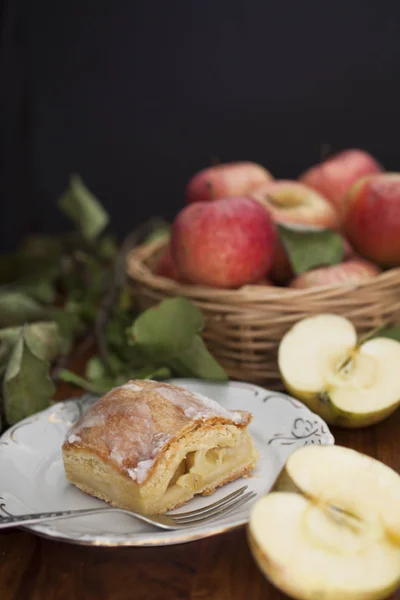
(166, 267)
(324, 407)
(226, 243)
(228, 179)
(371, 218)
(333, 177)
(291, 202)
(354, 270)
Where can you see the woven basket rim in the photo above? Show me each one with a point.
(137, 270)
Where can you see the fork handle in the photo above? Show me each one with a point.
(9, 521)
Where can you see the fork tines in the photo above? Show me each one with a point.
(224, 505)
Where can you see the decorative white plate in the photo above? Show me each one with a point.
(32, 476)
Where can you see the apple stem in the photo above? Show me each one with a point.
(345, 363)
(364, 338)
(370, 334)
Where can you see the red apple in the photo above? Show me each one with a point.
(229, 179)
(293, 202)
(352, 271)
(226, 243)
(166, 266)
(371, 218)
(333, 177)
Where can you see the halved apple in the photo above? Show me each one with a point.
(347, 384)
(331, 529)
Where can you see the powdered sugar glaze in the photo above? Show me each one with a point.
(123, 425)
(195, 406)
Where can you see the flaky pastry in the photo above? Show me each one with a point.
(150, 446)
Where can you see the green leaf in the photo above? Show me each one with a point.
(17, 308)
(162, 231)
(97, 276)
(27, 387)
(198, 362)
(107, 247)
(149, 372)
(95, 369)
(167, 330)
(125, 300)
(43, 338)
(116, 336)
(105, 384)
(70, 325)
(82, 207)
(96, 387)
(84, 310)
(5, 350)
(115, 363)
(389, 332)
(39, 289)
(308, 248)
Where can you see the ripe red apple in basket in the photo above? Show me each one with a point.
(226, 243)
(228, 179)
(334, 176)
(371, 218)
(355, 270)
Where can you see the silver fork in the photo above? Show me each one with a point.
(167, 521)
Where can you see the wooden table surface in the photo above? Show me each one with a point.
(219, 568)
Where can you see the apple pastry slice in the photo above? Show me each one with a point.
(149, 446)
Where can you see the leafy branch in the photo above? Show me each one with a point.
(61, 293)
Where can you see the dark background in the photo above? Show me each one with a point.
(136, 96)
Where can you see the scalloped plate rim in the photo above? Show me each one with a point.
(162, 537)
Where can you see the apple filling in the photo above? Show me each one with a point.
(199, 464)
(201, 468)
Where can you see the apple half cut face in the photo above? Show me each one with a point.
(347, 384)
(331, 527)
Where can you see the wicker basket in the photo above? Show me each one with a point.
(244, 326)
